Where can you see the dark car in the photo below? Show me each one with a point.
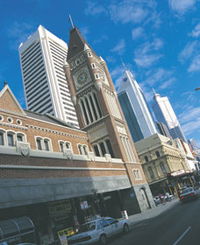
(188, 194)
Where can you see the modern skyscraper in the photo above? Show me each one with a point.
(135, 108)
(165, 114)
(42, 58)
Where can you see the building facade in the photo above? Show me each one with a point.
(164, 113)
(164, 165)
(50, 174)
(59, 176)
(42, 57)
(135, 108)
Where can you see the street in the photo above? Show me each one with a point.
(178, 226)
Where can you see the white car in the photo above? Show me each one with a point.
(98, 230)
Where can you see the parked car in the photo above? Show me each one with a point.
(187, 194)
(99, 230)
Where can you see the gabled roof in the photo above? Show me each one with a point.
(8, 101)
(48, 118)
(76, 43)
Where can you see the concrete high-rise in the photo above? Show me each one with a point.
(135, 108)
(42, 58)
(164, 113)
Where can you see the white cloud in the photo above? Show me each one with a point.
(195, 65)
(190, 114)
(167, 83)
(159, 78)
(188, 50)
(18, 33)
(126, 13)
(137, 33)
(94, 9)
(196, 31)
(146, 55)
(134, 11)
(181, 6)
(120, 47)
(190, 120)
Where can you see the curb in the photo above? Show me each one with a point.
(151, 213)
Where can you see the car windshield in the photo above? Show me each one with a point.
(186, 190)
(87, 227)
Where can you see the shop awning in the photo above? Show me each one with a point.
(15, 227)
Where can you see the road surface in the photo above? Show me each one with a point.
(177, 226)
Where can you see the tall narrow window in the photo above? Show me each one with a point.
(61, 146)
(39, 144)
(10, 137)
(88, 109)
(68, 146)
(110, 148)
(1, 138)
(93, 107)
(85, 149)
(46, 145)
(97, 104)
(151, 173)
(163, 168)
(96, 150)
(84, 112)
(80, 149)
(157, 153)
(103, 149)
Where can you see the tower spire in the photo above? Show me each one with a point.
(71, 21)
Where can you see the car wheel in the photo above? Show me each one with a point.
(126, 228)
(103, 240)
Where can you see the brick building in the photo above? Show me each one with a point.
(60, 176)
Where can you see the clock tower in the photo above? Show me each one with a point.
(99, 112)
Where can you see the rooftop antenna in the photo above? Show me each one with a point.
(123, 64)
(71, 21)
(154, 92)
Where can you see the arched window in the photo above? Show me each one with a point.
(20, 137)
(80, 149)
(61, 143)
(85, 149)
(2, 141)
(157, 153)
(10, 138)
(46, 145)
(151, 173)
(146, 159)
(39, 143)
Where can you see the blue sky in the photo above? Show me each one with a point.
(159, 40)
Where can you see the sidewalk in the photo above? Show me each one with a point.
(150, 213)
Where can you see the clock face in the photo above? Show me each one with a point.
(82, 78)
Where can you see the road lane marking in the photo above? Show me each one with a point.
(184, 233)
